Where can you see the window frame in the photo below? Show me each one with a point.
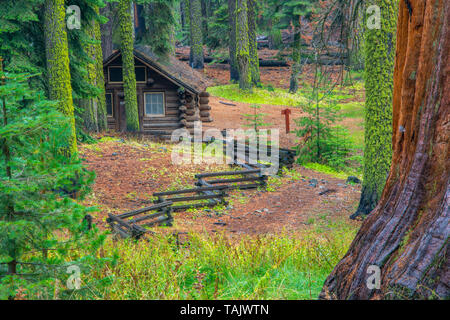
(112, 105)
(121, 67)
(163, 103)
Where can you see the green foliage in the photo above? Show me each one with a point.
(129, 76)
(217, 267)
(158, 32)
(322, 140)
(259, 95)
(256, 119)
(39, 223)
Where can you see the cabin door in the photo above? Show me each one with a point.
(122, 113)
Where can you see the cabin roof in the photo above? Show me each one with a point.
(170, 67)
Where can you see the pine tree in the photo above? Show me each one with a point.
(129, 76)
(158, 29)
(242, 45)
(379, 69)
(253, 44)
(291, 14)
(56, 48)
(39, 223)
(197, 59)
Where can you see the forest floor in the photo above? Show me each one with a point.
(129, 170)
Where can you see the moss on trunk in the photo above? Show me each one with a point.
(129, 76)
(242, 45)
(379, 70)
(195, 9)
(58, 72)
(253, 44)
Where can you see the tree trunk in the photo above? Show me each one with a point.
(380, 56)
(129, 76)
(106, 30)
(296, 55)
(102, 120)
(234, 72)
(58, 72)
(406, 235)
(253, 44)
(242, 45)
(195, 9)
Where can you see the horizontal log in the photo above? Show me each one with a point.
(201, 189)
(198, 197)
(147, 217)
(226, 173)
(232, 180)
(142, 210)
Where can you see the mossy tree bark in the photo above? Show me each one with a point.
(102, 120)
(253, 44)
(95, 118)
(106, 30)
(407, 234)
(242, 45)
(197, 59)
(379, 69)
(58, 72)
(129, 76)
(296, 55)
(234, 72)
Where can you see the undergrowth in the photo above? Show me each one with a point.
(220, 267)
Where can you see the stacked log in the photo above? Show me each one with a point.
(204, 107)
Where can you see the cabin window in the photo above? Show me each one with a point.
(115, 74)
(154, 104)
(109, 105)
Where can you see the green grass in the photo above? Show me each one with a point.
(217, 267)
(275, 96)
(331, 171)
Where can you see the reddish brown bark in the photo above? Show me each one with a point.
(407, 233)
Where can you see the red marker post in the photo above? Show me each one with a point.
(286, 113)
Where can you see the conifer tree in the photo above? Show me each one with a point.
(58, 72)
(242, 45)
(197, 59)
(234, 72)
(253, 44)
(129, 76)
(379, 70)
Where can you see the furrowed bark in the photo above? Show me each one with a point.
(58, 72)
(407, 233)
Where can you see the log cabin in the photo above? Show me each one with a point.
(170, 94)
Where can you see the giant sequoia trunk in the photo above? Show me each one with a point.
(58, 72)
(407, 233)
